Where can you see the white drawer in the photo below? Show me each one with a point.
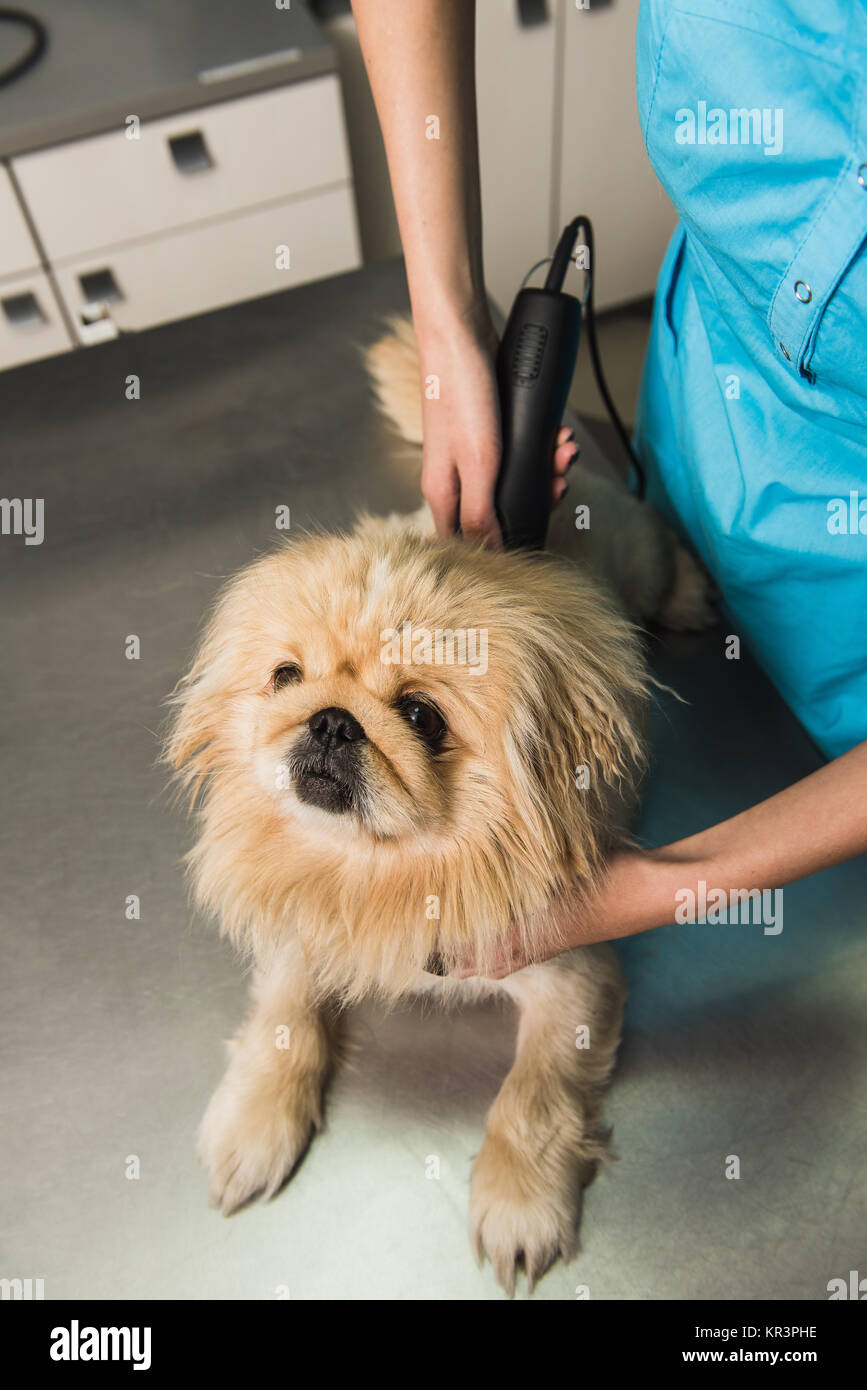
(31, 324)
(107, 190)
(200, 268)
(17, 250)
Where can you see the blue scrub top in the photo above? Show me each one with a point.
(753, 410)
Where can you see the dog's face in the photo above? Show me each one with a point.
(351, 742)
(400, 728)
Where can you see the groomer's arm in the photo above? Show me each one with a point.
(420, 58)
(813, 824)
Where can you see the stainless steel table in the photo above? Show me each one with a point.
(737, 1043)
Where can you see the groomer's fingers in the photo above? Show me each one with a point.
(441, 490)
(478, 516)
(504, 963)
(566, 450)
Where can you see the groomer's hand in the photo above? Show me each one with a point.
(461, 416)
(636, 893)
(815, 823)
(420, 61)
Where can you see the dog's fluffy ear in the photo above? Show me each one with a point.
(190, 746)
(580, 744)
(201, 698)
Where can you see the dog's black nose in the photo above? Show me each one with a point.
(332, 727)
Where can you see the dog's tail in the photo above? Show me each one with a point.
(393, 366)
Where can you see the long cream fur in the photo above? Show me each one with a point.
(532, 787)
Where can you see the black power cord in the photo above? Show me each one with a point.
(31, 55)
(555, 277)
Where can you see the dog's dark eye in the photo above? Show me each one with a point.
(289, 674)
(425, 718)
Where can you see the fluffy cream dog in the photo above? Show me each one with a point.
(370, 803)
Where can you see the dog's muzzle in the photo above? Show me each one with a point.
(326, 765)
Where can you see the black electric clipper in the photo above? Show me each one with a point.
(535, 364)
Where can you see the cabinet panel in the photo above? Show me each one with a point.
(188, 168)
(17, 249)
(200, 268)
(605, 169)
(516, 95)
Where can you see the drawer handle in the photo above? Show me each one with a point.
(190, 153)
(23, 310)
(532, 12)
(95, 323)
(99, 286)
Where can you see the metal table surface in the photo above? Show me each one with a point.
(736, 1043)
(108, 59)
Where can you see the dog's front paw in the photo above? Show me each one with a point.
(252, 1136)
(521, 1214)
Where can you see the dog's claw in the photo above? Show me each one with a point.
(517, 1221)
(504, 1270)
